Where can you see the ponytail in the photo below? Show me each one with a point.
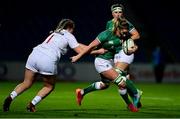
(64, 24)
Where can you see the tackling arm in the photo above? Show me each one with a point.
(86, 49)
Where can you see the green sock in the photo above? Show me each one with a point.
(130, 93)
(126, 98)
(131, 87)
(90, 88)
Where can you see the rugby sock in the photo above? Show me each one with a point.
(132, 90)
(13, 94)
(130, 93)
(123, 93)
(131, 87)
(36, 100)
(93, 87)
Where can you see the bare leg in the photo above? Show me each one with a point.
(123, 66)
(110, 74)
(27, 83)
(49, 84)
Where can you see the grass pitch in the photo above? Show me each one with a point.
(159, 101)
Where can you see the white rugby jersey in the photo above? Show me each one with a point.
(56, 44)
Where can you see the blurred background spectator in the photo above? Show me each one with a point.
(158, 60)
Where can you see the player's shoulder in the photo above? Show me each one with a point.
(67, 34)
(110, 21)
(106, 32)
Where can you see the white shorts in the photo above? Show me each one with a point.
(122, 57)
(41, 63)
(102, 65)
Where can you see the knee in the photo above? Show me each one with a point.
(49, 86)
(120, 81)
(101, 85)
(27, 84)
(104, 85)
(122, 90)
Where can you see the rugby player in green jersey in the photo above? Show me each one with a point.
(111, 41)
(121, 60)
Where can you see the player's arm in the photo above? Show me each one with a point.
(98, 51)
(86, 49)
(134, 34)
(80, 48)
(82, 45)
(94, 51)
(133, 31)
(133, 49)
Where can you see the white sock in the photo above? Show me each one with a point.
(36, 100)
(82, 92)
(13, 94)
(98, 85)
(122, 91)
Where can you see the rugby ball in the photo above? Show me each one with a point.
(126, 45)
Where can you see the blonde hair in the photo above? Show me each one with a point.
(120, 23)
(64, 24)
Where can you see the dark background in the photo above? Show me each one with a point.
(26, 23)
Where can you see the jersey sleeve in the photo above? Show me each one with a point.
(103, 36)
(131, 26)
(73, 42)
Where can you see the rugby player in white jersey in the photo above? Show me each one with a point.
(44, 60)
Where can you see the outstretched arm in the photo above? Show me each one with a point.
(86, 49)
(99, 51)
(80, 48)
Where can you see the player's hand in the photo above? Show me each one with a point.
(102, 51)
(99, 51)
(133, 49)
(74, 58)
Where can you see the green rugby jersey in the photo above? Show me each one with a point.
(110, 42)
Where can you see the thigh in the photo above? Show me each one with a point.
(105, 80)
(46, 66)
(122, 61)
(29, 76)
(110, 74)
(31, 62)
(102, 65)
(122, 66)
(49, 79)
(122, 57)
